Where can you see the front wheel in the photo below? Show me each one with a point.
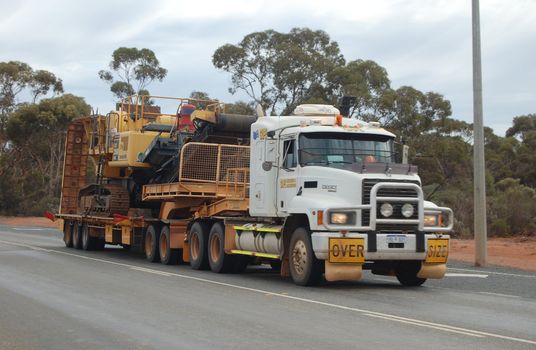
(406, 273)
(305, 268)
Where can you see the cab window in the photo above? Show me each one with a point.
(289, 154)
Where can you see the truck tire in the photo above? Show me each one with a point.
(406, 273)
(168, 256)
(87, 240)
(217, 259)
(151, 244)
(198, 245)
(68, 229)
(77, 235)
(305, 268)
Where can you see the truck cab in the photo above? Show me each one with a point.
(357, 207)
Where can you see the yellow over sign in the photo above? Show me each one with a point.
(347, 250)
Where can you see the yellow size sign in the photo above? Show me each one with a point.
(438, 250)
(347, 250)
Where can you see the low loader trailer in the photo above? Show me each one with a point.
(314, 194)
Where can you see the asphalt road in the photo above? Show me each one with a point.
(52, 297)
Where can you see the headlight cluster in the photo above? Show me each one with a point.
(342, 218)
(433, 220)
(386, 209)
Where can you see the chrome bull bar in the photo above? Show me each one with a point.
(374, 220)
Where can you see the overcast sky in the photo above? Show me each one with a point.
(422, 43)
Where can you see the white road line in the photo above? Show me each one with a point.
(476, 275)
(28, 229)
(501, 295)
(493, 272)
(383, 279)
(280, 295)
(156, 272)
(420, 324)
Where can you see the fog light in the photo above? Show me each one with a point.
(339, 218)
(386, 210)
(407, 210)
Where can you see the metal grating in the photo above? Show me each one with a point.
(205, 162)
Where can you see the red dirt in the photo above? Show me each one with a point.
(33, 221)
(516, 252)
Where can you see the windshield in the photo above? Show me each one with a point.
(332, 149)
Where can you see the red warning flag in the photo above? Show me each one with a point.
(49, 215)
(119, 218)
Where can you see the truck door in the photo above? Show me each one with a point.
(288, 175)
(262, 195)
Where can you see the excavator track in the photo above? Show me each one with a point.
(104, 200)
(119, 199)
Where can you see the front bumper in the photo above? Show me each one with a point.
(380, 250)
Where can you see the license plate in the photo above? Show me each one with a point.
(438, 250)
(396, 238)
(347, 250)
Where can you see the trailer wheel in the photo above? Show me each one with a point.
(77, 235)
(198, 245)
(219, 261)
(87, 240)
(151, 244)
(305, 268)
(406, 273)
(68, 230)
(168, 256)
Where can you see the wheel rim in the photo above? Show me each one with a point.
(163, 246)
(299, 257)
(194, 243)
(215, 252)
(148, 244)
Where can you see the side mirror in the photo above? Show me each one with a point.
(270, 134)
(267, 166)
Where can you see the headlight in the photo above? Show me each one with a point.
(431, 219)
(342, 218)
(407, 210)
(386, 210)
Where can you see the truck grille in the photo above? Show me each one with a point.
(389, 192)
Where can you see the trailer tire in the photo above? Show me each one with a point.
(87, 240)
(198, 245)
(305, 268)
(219, 261)
(168, 256)
(406, 273)
(151, 244)
(77, 235)
(68, 229)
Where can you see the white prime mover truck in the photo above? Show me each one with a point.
(313, 194)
